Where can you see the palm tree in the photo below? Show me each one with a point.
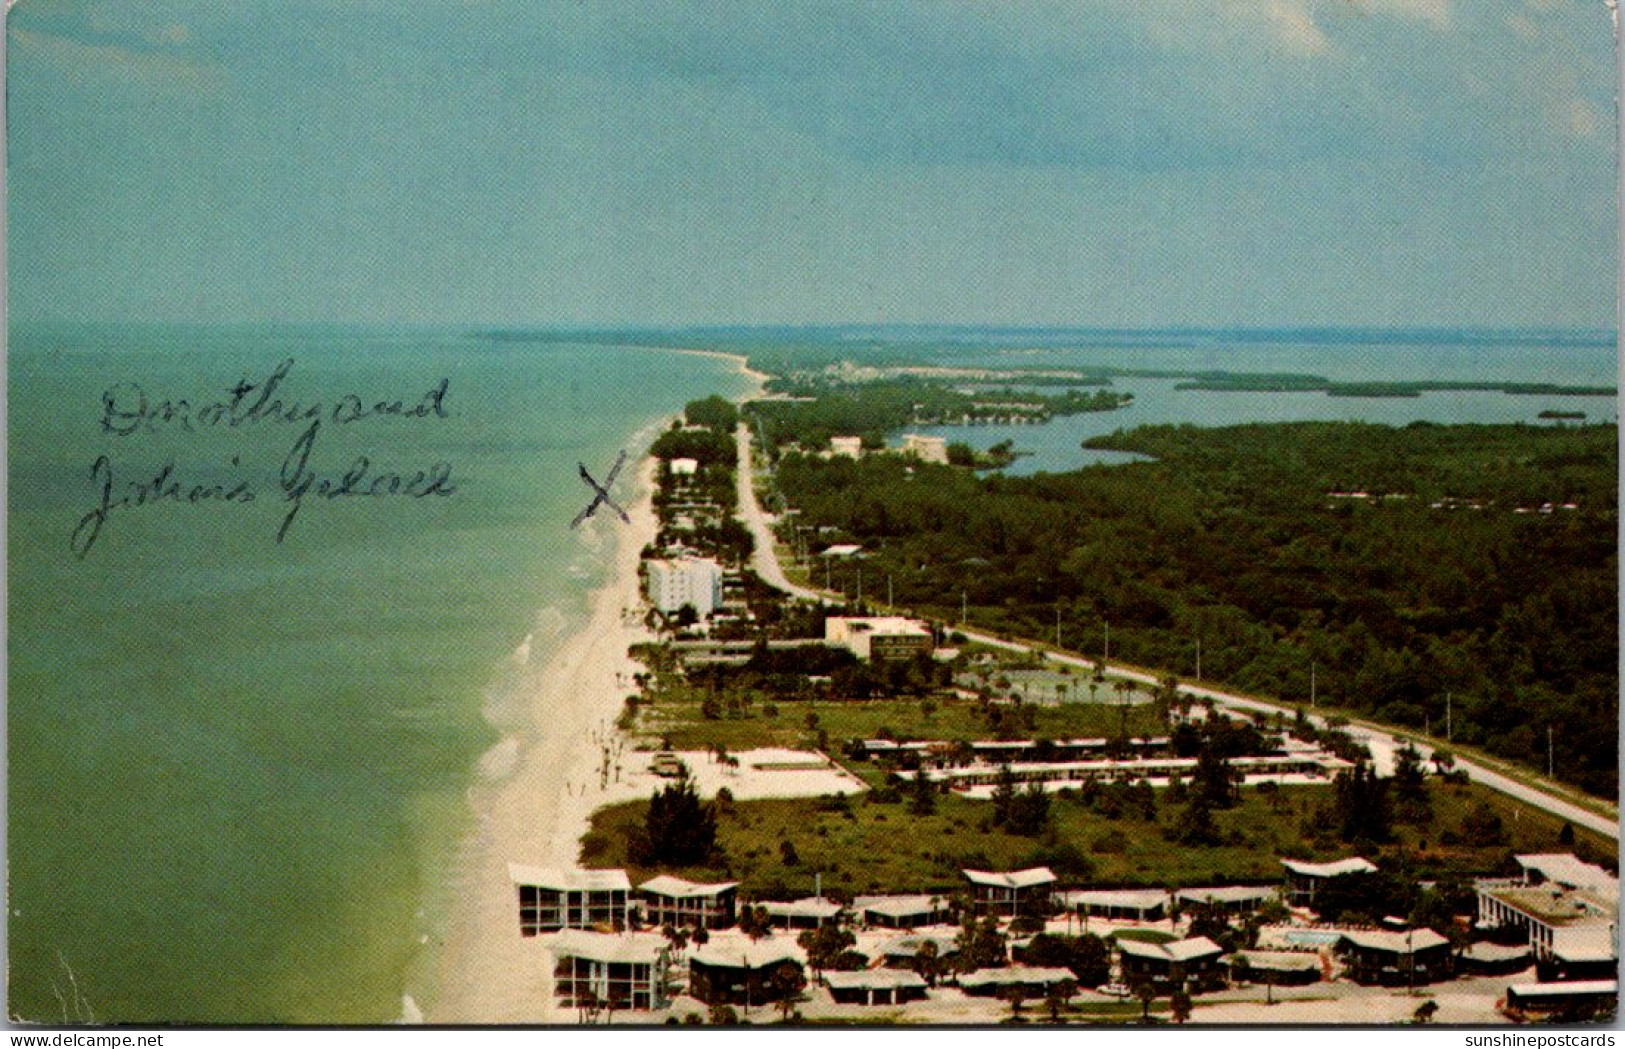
(1147, 994)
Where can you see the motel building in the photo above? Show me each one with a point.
(1009, 894)
(1229, 899)
(1136, 905)
(676, 902)
(1304, 879)
(1565, 909)
(904, 951)
(1032, 980)
(812, 912)
(552, 899)
(903, 912)
(1192, 964)
(1396, 959)
(744, 972)
(875, 986)
(622, 971)
(879, 638)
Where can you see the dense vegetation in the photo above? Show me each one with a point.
(881, 842)
(1457, 570)
(872, 410)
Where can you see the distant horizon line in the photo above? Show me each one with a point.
(1587, 334)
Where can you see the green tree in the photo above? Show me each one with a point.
(678, 830)
(1411, 802)
(1196, 826)
(923, 795)
(825, 944)
(1215, 779)
(981, 945)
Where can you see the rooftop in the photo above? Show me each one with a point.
(1578, 987)
(1552, 906)
(1337, 868)
(638, 948)
(677, 888)
(872, 978)
(900, 906)
(1569, 870)
(1227, 894)
(1275, 961)
(1395, 942)
(739, 952)
(1131, 899)
(1024, 879)
(569, 880)
(810, 907)
(909, 946)
(1177, 951)
(1015, 974)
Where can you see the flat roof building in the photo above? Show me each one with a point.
(875, 986)
(745, 972)
(1010, 893)
(1382, 956)
(1567, 909)
(903, 912)
(1033, 980)
(879, 637)
(694, 581)
(625, 971)
(808, 913)
(1304, 879)
(851, 447)
(1141, 905)
(1231, 899)
(551, 899)
(1190, 963)
(673, 901)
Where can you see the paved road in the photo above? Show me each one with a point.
(763, 558)
(1382, 745)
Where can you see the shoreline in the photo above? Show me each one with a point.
(536, 789)
(739, 359)
(483, 971)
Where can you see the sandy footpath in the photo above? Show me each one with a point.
(486, 972)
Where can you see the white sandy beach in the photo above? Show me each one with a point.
(485, 971)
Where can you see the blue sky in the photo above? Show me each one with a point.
(1115, 162)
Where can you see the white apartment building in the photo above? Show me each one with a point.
(693, 581)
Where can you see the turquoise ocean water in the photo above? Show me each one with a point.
(237, 767)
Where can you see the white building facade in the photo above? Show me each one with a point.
(693, 581)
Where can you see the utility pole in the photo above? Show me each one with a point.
(1198, 657)
(1107, 627)
(1057, 624)
(962, 600)
(1551, 768)
(1449, 732)
(1311, 682)
(888, 592)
